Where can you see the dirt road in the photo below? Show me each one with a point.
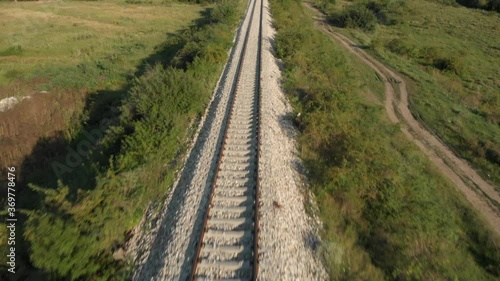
(479, 193)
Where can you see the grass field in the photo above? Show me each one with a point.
(386, 213)
(57, 41)
(451, 57)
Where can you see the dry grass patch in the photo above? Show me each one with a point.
(43, 115)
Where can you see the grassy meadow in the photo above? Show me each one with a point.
(386, 213)
(120, 93)
(450, 55)
(80, 44)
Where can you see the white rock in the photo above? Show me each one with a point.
(10, 102)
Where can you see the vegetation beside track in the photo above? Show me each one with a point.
(387, 214)
(91, 184)
(450, 56)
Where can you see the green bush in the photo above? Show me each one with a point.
(160, 105)
(494, 5)
(12, 51)
(366, 14)
(72, 242)
(435, 57)
(85, 75)
(355, 16)
(403, 47)
(472, 3)
(388, 12)
(137, 2)
(325, 5)
(212, 43)
(491, 5)
(448, 63)
(225, 11)
(448, 2)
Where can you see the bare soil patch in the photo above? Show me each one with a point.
(42, 116)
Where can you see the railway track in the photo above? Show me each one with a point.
(228, 246)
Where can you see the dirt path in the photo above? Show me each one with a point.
(480, 193)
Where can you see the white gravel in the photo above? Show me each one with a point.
(164, 244)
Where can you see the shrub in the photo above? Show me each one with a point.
(212, 42)
(472, 3)
(450, 63)
(12, 51)
(448, 2)
(356, 16)
(491, 5)
(65, 242)
(325, 5)
(138, 2)
(160, 105)
(388, 12)
(402, 47)
(494, 5)
(225, 11)
(365, 14)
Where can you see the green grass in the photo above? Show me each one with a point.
(79, 44)
(387, 214)
(451, 55)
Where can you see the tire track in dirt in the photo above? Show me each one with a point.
(477, 191)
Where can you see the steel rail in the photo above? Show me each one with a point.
(259, 134)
